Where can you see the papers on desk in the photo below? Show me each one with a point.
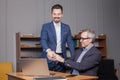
(51, 78)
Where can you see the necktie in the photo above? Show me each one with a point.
(76, 72)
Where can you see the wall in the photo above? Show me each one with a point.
(27, 16)
(119, 38)
(3, 30)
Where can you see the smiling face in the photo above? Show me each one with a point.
(57, 15)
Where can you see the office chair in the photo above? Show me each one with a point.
(106, 70)
(5, 67)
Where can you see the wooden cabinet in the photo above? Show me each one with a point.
(27, 46)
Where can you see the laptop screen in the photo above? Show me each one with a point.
(35, 67)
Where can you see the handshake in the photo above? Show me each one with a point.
(54, 57)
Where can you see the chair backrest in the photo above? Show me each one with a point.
(106, 70)
(5, 67)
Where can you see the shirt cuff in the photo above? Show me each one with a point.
(48, 50)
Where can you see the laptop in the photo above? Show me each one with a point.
(35, 67)
(38, 68)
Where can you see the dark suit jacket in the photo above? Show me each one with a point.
(89, 63)
(48, 38)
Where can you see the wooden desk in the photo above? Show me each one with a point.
(20, 76)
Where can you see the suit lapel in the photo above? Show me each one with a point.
(62, 32)
(53, 31)
(78, 53)
(88, 52)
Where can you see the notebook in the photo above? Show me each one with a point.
(35, 67)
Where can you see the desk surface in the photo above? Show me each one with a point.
(20, 76)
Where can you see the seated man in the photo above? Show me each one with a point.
(86, 59)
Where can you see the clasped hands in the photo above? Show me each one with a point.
(54, 57)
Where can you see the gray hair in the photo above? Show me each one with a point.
(90, 34)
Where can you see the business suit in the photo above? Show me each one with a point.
(48, 40)
(88, 64)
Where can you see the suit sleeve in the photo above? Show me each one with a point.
(44, 38)
(88, 62)
(70, 42)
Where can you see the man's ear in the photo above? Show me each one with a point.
(90, 40)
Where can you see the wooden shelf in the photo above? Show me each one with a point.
(33, 37)
(30, 47)
(27, 57)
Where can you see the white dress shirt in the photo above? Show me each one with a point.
(58, 37)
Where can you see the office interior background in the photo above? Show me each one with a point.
(27, 17)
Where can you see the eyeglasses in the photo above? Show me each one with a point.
(81, 38)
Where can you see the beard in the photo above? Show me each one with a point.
(57, 19)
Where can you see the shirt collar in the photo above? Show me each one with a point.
(59, 24)
(88, 47)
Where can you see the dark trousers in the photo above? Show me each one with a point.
(56, 66)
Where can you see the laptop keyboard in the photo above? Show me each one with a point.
(51, 78)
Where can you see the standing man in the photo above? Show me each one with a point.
(86, 60)
(54, 36)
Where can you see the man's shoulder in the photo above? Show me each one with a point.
(48, 23)
(66, 25)
(78, 50)
(95, 50)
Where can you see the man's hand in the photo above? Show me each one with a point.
(51, 55)
(59, 58)
(54, 57)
